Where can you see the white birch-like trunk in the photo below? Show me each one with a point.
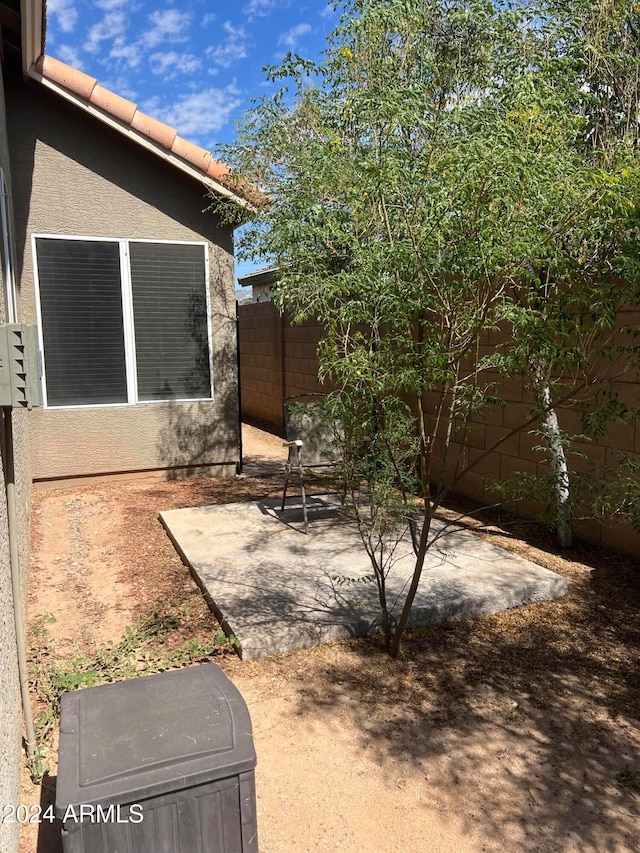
(559, 467)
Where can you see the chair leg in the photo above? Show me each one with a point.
(304, 501)
(284, 492)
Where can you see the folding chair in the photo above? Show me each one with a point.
(310, 438)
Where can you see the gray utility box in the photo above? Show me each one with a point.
(162, 764)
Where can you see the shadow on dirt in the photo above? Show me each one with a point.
(528, 719)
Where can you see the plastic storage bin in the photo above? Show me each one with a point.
(161, 764)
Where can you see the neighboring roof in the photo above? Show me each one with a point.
(124, 115)
(264, 276)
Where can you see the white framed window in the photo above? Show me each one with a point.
(122, 321)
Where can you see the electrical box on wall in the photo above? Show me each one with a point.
(20, 366)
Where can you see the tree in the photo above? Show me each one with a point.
(564, 321)
(431, 183)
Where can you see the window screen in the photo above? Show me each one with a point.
(82, 326)
(104, 327)
(170, 321)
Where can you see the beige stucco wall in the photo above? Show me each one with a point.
(10, 706)
(75, 176)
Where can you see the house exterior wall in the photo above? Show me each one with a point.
(75, 176)
(261, 292)
(279, 360)
(10, 704)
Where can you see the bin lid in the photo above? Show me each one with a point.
(123, 742)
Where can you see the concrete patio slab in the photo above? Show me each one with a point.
(277, 589)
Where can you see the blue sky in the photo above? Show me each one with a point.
(195, 66)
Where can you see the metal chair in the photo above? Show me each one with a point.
(311, 436)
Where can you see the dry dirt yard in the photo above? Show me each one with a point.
(517, 732)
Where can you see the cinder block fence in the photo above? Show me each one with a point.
(278, 360)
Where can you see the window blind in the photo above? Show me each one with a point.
(83, 333)
(170, 321)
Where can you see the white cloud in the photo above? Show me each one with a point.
(69, 55)
(199, 115)
(65, 12)
(122, 86)
(232, 49)
(259, 8)
(112, 26)
(209, 18)
(168, 25)
(292, 37)
(130, 53)
(109, 5)
(169, 65)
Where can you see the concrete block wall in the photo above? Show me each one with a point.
(259, 336)
(279, 360)
(300, 359)
(517, 453)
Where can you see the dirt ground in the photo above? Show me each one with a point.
(516, 732)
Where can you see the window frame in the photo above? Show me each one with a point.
(127, 320)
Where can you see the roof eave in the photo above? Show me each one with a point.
(31, 32)
(266, 276)
(137, 137)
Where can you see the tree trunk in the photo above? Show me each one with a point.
(413, 587)
(559, 467)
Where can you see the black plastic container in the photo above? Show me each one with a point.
(161, 764)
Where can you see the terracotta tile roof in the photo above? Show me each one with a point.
(88, 89)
